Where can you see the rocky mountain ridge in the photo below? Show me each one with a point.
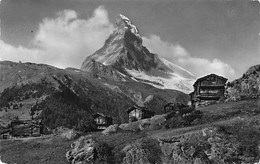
(124, 53)
(248, 86)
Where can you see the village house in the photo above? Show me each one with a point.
(210, 88)
(174, 106)
(25, 128)
(137, 113)
(102, 121)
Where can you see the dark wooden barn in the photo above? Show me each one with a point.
(137, 113)
(174, 106)
(102, 121)
(26, 128)
(208, 88)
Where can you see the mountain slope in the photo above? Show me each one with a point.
(124, 53)
(66, 95)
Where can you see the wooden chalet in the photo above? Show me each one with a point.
(25, 128)
(137, 113)
(208, 88)
(102, 121)
(173, 106)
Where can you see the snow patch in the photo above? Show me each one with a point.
(174, 66)
(174, 81)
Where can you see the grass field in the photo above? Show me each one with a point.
(52, 149)
(46, 150)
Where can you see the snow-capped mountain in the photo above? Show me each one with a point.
(123, 55)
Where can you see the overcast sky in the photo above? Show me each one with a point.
(213, 36)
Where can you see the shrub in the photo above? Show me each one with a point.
(86, 125)
(184, 117)
(102, 152)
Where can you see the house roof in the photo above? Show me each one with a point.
(5, 131)
(138, 107)
(25, 122)
(191, 93)
(205, 77)
(99, 114)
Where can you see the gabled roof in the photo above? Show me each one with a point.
(99, 114)
(205, 77)
(138, 107)
(5, 131)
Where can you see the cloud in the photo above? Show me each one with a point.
(164, 48)
(179, 55)
(66, 40)
(63, 41)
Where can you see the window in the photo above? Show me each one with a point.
(135, 113)
(100, 120)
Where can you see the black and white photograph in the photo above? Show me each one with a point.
(129, 82)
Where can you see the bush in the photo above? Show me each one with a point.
(102, 152)
(184, 117)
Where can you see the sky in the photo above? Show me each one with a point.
(202, 36)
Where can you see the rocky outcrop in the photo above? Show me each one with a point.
(135, 153)
(82, 151)
(70, 134)
(111, 129)
(87, 150)
(143, 150)
(236, 142)
(210, 145)
(248, 86)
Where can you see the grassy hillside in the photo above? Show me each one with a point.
(227, 133)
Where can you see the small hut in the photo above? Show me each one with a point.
(137, 113)
(208, 88)
(102, 121)
(25, 128)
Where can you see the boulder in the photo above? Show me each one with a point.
(82, 151)
(87, 150)
(70, 134)
(135, 153)
(132, 126)
(111, 129)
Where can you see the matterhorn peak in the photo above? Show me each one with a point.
(124, 17)
(123, 55)
(123, 21)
